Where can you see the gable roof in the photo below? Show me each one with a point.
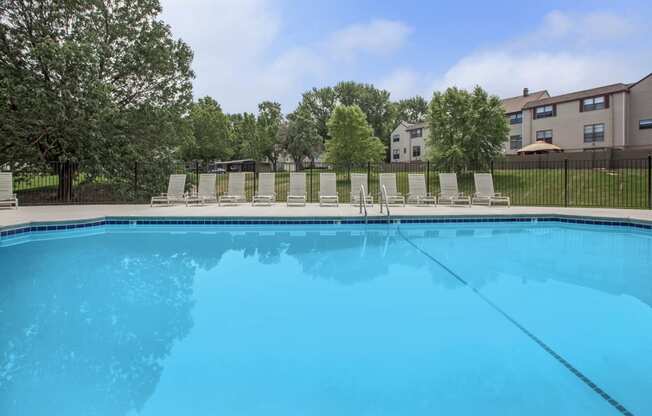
(419, 125)
(639, 81)
(516, 104)
(578, 95)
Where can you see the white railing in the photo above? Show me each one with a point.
(384, 199)
(363, 202)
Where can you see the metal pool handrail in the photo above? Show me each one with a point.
(384, 199)
(363, 202)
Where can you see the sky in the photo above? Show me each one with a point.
(247, 51)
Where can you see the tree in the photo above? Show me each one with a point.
(412, 110)
(99, 81)
(211, 132)
(320, 103)
(302, 140)
(268, 127)
(243, 128)
(374, 103)
(467, 130)
(352, 141)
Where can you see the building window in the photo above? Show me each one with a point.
(404, 150)
(594, 103)
(594, 133)
(515, 142)
(416, 151)
(516, 118)
(415, 133)
(544, 135)
(396, 154)
(396, 138)
(645, 124)
(544, 111)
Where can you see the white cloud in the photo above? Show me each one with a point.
(566, 53)
(237, 59)
(581, 29)
(379, 37)
(506, 73)
(404, 83)
(229, 39)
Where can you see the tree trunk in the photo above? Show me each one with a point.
(66, 173)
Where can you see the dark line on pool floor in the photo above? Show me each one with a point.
(613, 402)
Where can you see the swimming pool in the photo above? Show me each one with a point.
(516, 318)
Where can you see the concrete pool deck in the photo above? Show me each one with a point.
(52, 213)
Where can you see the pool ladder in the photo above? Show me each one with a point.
(363, 203)
(383, 199)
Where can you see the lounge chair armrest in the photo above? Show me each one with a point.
(498, 194)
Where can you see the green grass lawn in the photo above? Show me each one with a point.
(619, 188)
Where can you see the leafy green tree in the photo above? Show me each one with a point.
(320, 103)
(211, 132)
(467, 129)
(243, 128)
(101, 81)
(412, 110)
(352, 141)
(302, 140)
(268, 126)
(373, 102)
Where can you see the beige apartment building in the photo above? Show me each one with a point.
(617, 116)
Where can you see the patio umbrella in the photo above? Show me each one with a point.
(538, 147)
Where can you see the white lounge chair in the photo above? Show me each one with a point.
(360, 180)
(235, 192)
(449, 192)
(484, 191)
(7, 195)
(328, 189)
(388, 183)
(297, 194)
(418, 191)
(205, 190)
(265, 194)
(176, 191)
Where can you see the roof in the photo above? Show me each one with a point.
(640, 80)
(226, 162)
(516, 104)
(419, 125)
(578, 95)
(540, 146)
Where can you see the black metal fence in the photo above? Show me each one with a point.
(571, 183)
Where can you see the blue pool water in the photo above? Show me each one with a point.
(450, 319)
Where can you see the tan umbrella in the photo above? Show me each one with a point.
(539, 147)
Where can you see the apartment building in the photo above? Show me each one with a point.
(407, 143)
(617, 116)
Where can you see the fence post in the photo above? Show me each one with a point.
(565, 182)
(491, 167)
(368, 178)
(649, 182)
(253, 191)
(197, 175)
(428, 176)
(136, 181)
(310, 194)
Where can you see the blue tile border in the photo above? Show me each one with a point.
(98, 222)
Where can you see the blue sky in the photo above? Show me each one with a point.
(247, 51)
